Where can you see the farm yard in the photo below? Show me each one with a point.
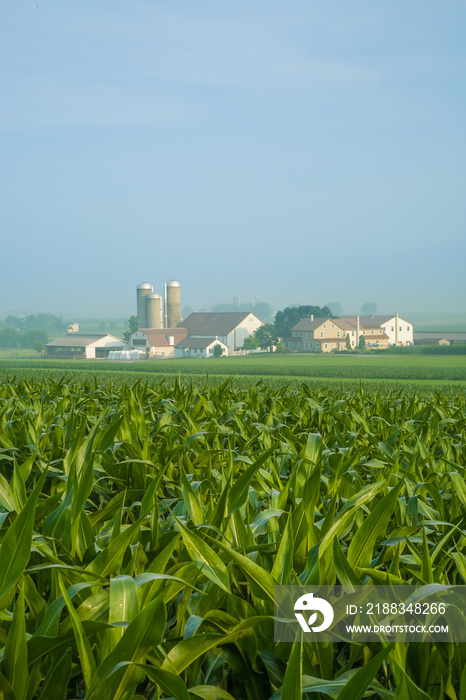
(147, 514)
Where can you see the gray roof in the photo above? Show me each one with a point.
(372, 321)
(212, 323)
(198, 342)
(80, 340)
(305, 324)
(439, 335)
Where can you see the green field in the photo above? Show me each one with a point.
(143, 528)
(415, 369)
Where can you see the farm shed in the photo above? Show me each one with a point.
(84, 345)
(439, 338)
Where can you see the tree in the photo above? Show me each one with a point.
(335, 308)
(10, 338)
(261, 309)
(133, 326)
(362, 342)
(266, 335)
(369, 308)
(289, 317)
(250, 343)
(29, 339)
(218, 350)
(45, 322)
(348, 341)
(39, 347)
(280, 347)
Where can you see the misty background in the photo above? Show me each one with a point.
(288, 153)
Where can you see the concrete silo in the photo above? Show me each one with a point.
(154, 311)
(172, 304)
(142, 291)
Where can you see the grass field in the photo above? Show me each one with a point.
(434, 370)
(143, 528)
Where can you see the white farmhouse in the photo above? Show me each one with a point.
(397, 329)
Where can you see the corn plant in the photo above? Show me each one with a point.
(143, 529)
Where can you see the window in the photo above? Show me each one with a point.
(338, 334)
(393, 328)
(372, 332)
(322, 333)
(333, 326)
(401, 328)
(407, 328)
(325, 344)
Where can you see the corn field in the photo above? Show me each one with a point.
(143, 528)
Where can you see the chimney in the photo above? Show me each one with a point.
(312, 317)
(357, 330)
(396, 328)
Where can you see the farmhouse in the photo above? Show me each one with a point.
(317, 334)
(84, 345)
(397, 329)
(230, 327)
(327, 334)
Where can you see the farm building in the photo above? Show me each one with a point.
(199, 347)
(160, 343)
(316, 334)
(84, 345)
(230, 327)
(327, 334)
(398, 330)
(439, 338)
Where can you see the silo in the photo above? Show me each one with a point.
(143, 290)
(154, 311)
(172, 304)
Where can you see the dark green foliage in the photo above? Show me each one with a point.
(53, 325)
(289, 317)
(143, 528)
(266, 335)
(132, 328)
(12, 338)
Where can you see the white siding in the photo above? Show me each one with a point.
(405, 331)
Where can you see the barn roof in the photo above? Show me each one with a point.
(210, 324)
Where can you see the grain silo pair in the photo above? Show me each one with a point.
(149, 305)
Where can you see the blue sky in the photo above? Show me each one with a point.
(299, 152)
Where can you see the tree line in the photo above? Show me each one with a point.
(30, 331)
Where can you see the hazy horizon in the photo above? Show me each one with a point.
(298, 154)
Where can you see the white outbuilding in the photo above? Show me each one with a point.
(200, 347)
(87, 346)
